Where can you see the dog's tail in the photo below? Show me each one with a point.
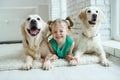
(85, 59)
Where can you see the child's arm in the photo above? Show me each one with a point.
(69, 56)
(51, 49)
(54, 56)
(71, 49)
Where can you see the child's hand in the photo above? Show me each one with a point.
(73, 61)
(70, 57)
(53, 57)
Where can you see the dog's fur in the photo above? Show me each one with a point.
(35, 34)
(35, 43)
(35, 37)
(89, 39)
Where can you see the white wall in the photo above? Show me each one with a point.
(22, 3)
(104, 5)
(56, 10)
(14, 12)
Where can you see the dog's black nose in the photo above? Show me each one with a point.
(94, 17)
(33, 24)
(33, 21)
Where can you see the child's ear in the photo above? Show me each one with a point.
(70, 22)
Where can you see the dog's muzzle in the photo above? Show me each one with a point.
(33, 31)
(93, 20)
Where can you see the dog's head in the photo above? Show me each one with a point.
(91, 16)
(33, 25)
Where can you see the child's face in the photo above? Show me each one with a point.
(59, 32)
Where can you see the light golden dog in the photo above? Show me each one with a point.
(89, 39)
(35, 35)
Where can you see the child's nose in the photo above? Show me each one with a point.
(58, 32)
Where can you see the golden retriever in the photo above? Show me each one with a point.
(35, 34)
(89, 39)
(35, 41)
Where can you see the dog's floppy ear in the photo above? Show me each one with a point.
(25, 37)
(82, 14)
(45, 31)
(23, 29)
(70, 22)
(101, 15)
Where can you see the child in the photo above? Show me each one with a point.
(61, 45)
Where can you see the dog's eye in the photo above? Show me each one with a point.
(28, 19)
(89, 11)
(96, 11)
(38, 18)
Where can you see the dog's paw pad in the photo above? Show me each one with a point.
(47, 65)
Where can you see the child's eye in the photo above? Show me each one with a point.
(61, 31)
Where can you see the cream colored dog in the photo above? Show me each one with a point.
(89, 39)
(35, 33)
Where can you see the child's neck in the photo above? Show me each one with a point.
(61, 43)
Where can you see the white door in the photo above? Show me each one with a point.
(12, 17)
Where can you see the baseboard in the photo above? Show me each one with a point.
(10, 42)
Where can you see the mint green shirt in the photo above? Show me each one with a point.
(62, 52)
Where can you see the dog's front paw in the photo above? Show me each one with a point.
(73, 63)
(27, 66)
(47, 65)
(105, 63)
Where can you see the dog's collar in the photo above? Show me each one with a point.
(89, 37)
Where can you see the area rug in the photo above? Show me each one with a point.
(12, 57)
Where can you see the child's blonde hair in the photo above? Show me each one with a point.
(68, 21)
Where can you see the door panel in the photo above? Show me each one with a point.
(12, 18)
(10, 22)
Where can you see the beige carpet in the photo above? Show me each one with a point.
(12, 57)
